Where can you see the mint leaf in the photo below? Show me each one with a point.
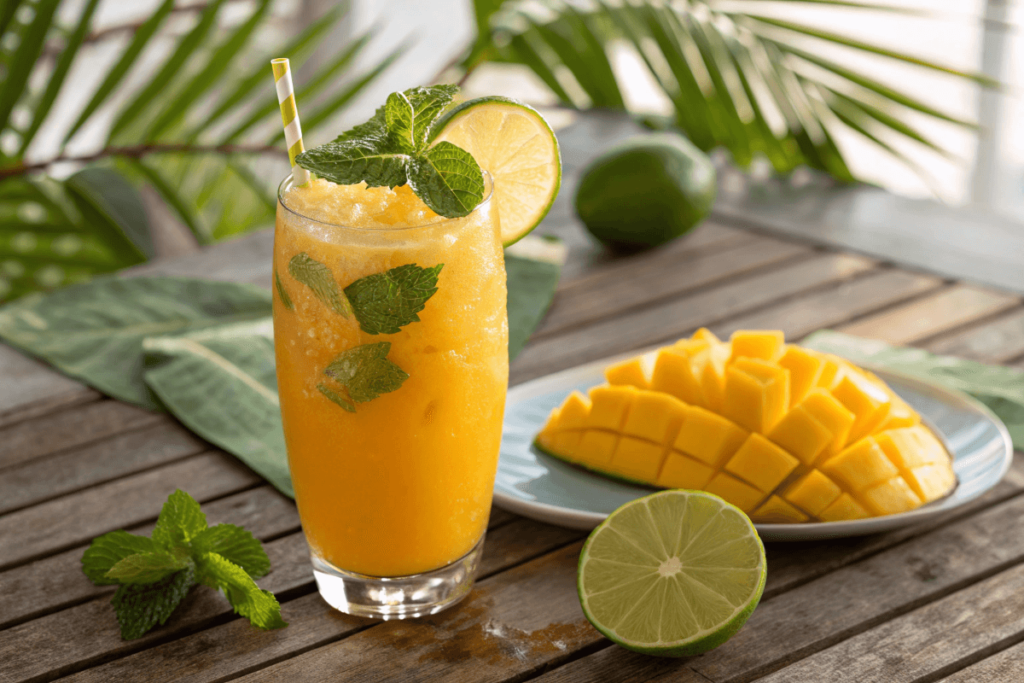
(260, 607)
(447, 179)
(140, 607)
(365, 372)
(398, 118)
(236, 545)
(336, 397)
(377, 161)
(384, 302)
(391, 149)
(179, 520)
(107, 550)
(149, 567)
(282, 292)
(320, 279)
(428, 103)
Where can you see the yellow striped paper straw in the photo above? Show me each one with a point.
(289, 117)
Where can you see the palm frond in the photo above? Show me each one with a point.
(742, 80)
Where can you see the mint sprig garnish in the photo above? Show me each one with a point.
(157, 573)
(392, 149)
(385, 302)
(320, 279)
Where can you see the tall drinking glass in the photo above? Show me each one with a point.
(393, 493)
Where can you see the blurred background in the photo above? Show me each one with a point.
(132, 130)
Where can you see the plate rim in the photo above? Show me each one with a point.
(579, 519)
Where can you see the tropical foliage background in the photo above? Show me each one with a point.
(201, 130)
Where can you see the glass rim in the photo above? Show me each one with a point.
(286, 182)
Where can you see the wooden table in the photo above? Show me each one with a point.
(943, 601)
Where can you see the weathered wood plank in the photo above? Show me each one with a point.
(651, 276)
(675, 318)
(1003, 667)
(995, 341)
(75, 469)
(74, 397)
(510, 626)
(35, 650)
(47, 585)
(68, 428)
(60, 524)
(833, 306)
(841, 604)
(960, 628)
(958, 305)
(30, 385)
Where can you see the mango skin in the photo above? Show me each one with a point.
(844, 446)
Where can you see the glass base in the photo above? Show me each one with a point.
(397, 597)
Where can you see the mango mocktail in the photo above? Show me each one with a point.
(392, 433)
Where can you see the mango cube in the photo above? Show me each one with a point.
(628, 372)
(802, 435)
(930, 482)
(708, 437)
(595, 448)
(812, 492)
(833, 415)
(777, 511)
(861, 465)
(844, 508)
(636, 459)
(609, 406)
(756, 394)
(890, 497)
(868, 403)
(706, 335)
(732, 490)
(761, 463)
(804, 370)
(681, 472)
(763, 344)
(562, 444)
(655, 417)
(673, 375)
(570, 415)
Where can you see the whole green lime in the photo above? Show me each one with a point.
(646, 191)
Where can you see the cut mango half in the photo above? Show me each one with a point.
(787, 434)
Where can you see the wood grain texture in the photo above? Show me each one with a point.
(29, 384)
(675, 318)
(833, 306)
(651, 276)
(515, 542)
(963, 626)
(994, 341)
(47, 585)
(1005, 667)
(70, 427)
(63, 523)
(957, 305)
(71, 470)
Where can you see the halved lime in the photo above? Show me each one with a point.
(673, 574)
(514, 143)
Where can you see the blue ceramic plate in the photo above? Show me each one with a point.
(535, 485)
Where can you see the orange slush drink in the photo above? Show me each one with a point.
(403, 484)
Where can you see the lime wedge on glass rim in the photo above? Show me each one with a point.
(513, 143)
(672, 574)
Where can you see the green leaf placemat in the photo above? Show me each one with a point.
(999, 388)
(94, 331)
(220, 383)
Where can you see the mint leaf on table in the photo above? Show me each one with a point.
(150, 567)
(385, 302)
(140, 607)
(319, 278)
(447, 179)
(155, 574)
(365, 373)
(236, 545)
(260, 607)
(392, 149)
(108, 550)
(180, 519)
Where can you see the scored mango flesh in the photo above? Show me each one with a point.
(786, 434)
